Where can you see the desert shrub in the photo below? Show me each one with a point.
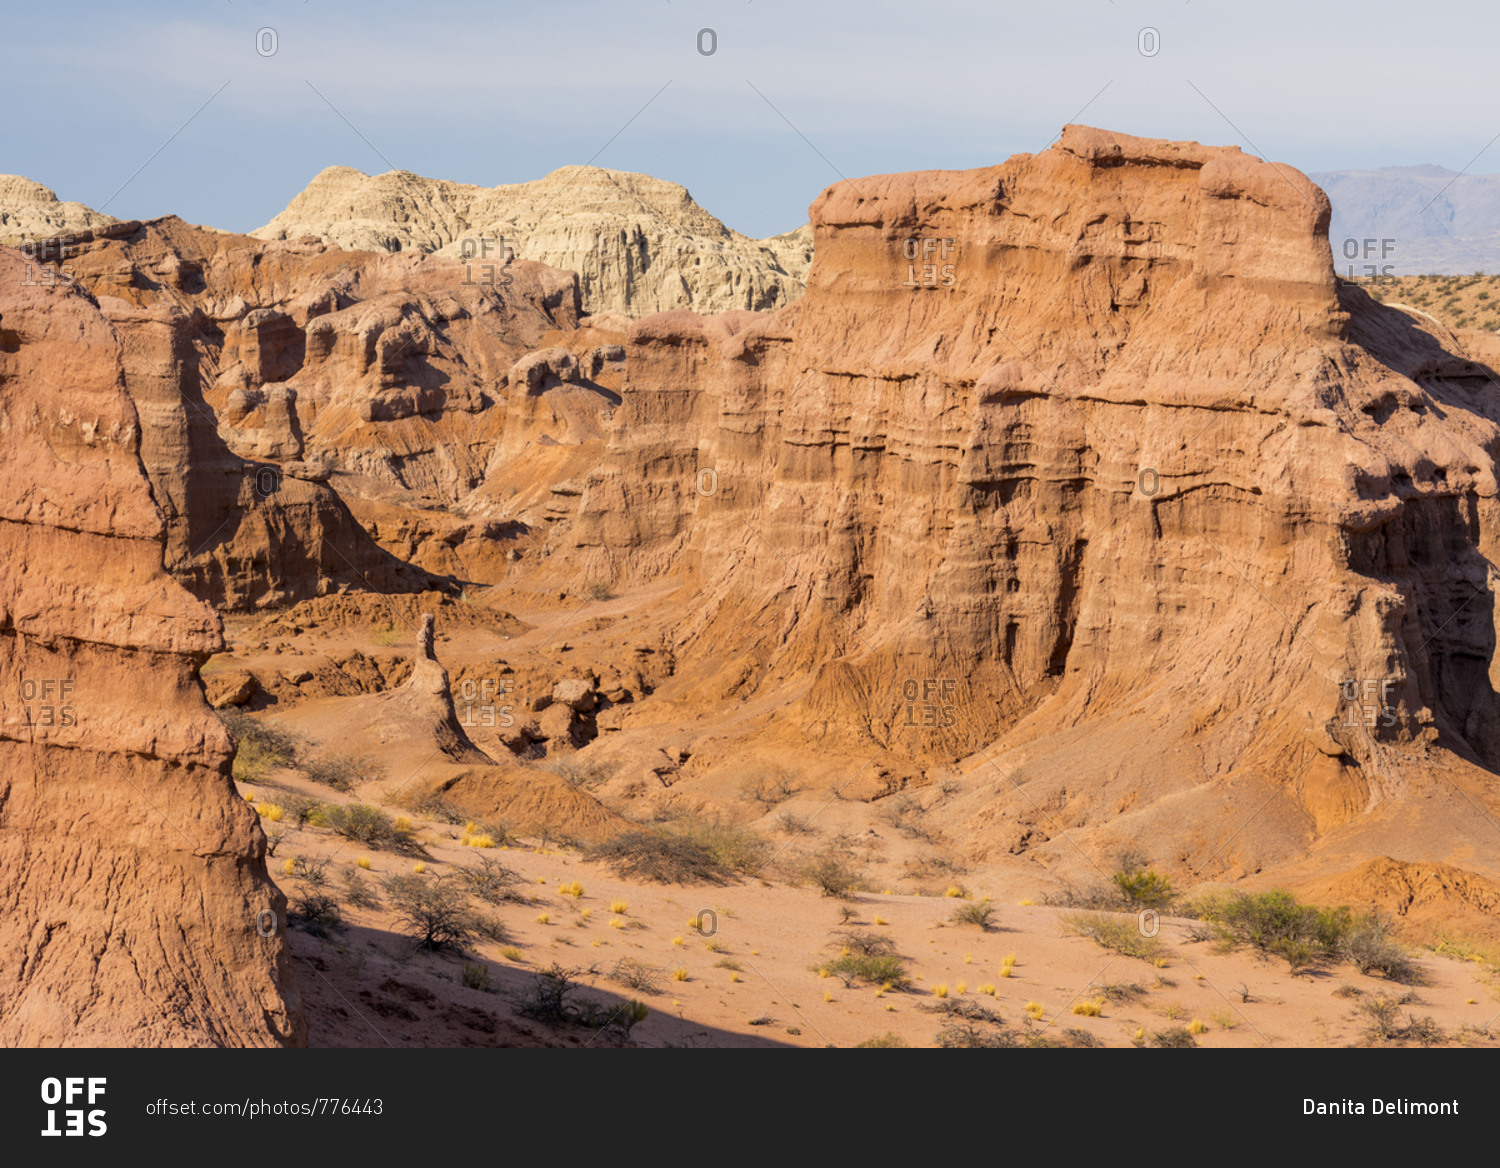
(1424, 1030)
(1370, 949)
(316, 913)
(637, 975)
(659, 856)
(886, 1041)
(1145, 888)
(356, 892)
(832, 874)
(1121, 934)
(434, 913)
(887, 970)
(789, 823)
(1382, 1019)
(1174, 1037)
(489, 928)
(976, 914)
(342, 772)
(959, 1008)
(776, 785)
(865, 943)
(476, 977)
(587, 774)
(968, 1036)
(365, 824)
(488, 879)
(1121, 991)
(737, 849)
(553, 998)
(314, 872)
(1276, 923)
(1083, 1038)
(432, 806)
(260, 747)
(300, 809)
(1095, 897)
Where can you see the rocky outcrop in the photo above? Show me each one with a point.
(136, 904)
(29, 212)
(1081, 473)
(639, 244)
(270, 375)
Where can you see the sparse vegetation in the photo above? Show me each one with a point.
(832, 874)
(886, 1041)
(488, 879)
(885, 970)
(975, 913)
(637, 975)
(342, 772)
(316, 913)
(1174, 1037)
(703, 852)
(553, 998)
(476, 977)
(1120, 934)
(363, 824)
(260, 747)
(1275, 923)
(434, 913)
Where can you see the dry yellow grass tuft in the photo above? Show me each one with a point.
(679, 974)
(1035, 1010)
(363, 862)
(940, 991)
(619, 907)
(1088, 1009)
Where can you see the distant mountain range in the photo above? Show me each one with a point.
(1413, 220)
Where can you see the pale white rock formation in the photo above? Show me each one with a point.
(639, 244)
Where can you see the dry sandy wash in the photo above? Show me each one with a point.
(1077, 522)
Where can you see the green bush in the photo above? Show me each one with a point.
(1276, 923)
(1144, 887)
(879, 970)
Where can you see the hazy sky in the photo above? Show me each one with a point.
(796, 94)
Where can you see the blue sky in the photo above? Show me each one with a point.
(797, 93)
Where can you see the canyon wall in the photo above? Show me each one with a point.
(1082, 474)
(135, 907)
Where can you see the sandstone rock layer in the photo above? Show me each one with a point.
(136, 905)
(1081, 473)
